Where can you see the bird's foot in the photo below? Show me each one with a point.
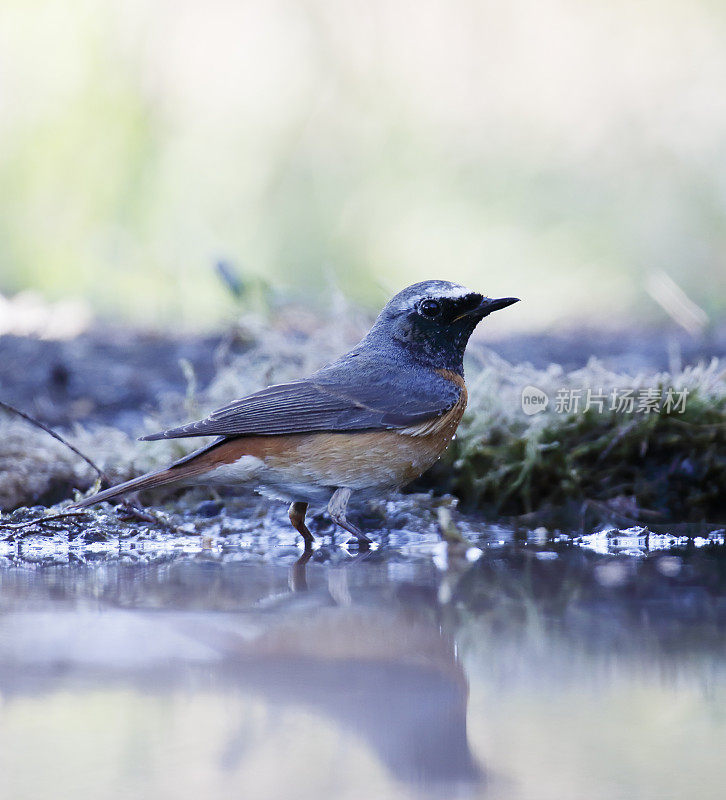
(359, 542)
(337, 508)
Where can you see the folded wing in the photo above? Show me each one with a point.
(309, 406)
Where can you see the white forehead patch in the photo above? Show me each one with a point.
(444, 289)
(409, 297)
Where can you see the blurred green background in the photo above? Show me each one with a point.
(562, 151)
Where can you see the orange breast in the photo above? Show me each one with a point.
(358, 460)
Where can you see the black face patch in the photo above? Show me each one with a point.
(428, 323)
(466, 305)
(448, 310)
(437, 329)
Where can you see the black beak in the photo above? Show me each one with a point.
(488, 305)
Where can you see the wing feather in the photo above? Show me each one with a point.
(325, 404)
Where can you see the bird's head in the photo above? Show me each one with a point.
(433, 321)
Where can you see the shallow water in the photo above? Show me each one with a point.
(217, 663)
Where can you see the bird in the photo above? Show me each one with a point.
(368, 423)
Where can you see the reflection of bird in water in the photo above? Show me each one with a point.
(385, 672)
(298, 578)
(372, 421)
(346, 651)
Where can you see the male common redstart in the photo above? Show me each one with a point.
(375, 419)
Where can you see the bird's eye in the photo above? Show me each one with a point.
(429, 308)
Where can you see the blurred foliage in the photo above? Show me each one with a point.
(555, 150)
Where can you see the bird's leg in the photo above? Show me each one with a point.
(297, 513)
(337, 508)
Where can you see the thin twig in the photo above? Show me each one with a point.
(57, 436)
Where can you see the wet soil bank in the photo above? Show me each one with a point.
(571, 471)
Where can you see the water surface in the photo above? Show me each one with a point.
(500, 666)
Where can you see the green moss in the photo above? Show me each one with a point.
(655, 466)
